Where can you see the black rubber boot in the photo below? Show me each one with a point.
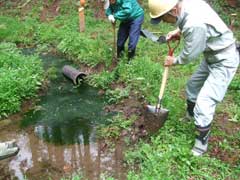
(120, 51)
(201, 141)
(203, 136)
(131, 54)
(190, 107)
(238, 46)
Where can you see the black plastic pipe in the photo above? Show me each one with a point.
(73, 74)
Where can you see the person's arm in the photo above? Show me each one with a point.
(108, 11)
(195, 39)
(175, 34)
(125, 11)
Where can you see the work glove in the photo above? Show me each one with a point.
(169, 61)
(174, 35)
(111, 18)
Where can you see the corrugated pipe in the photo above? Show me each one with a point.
(73, 74)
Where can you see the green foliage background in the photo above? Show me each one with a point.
(20, 76)
(166, 155)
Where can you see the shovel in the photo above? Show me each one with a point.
(114, 41)
(157, 111)
(149, 35)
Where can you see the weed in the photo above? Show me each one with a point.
(167, 155)
(20, 76)
(101, 80)
(115, 126)
(114, 96)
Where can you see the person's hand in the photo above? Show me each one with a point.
(169, 61)
(111, 18)
(174, 35)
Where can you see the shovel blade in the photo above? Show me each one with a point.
(149, 35)
(145, 33)
(155, 111)
(153, 119)
(159, 114)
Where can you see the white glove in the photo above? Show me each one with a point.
(111, 18)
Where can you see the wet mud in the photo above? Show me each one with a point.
(38, 159)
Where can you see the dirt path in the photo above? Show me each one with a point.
(231, 154)
(50, 10)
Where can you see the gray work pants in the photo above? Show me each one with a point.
(209, 83)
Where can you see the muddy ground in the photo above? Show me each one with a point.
(134, 106)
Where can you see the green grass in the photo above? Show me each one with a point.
(167, 154)
(20, 76)
(116, 124)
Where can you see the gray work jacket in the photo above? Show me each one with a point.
(203, 31)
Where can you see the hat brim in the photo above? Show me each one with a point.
(155, 20)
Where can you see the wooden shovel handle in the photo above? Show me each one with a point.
(165, 74)
(164, 82)
(114, 39)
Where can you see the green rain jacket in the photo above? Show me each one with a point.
(125, 10)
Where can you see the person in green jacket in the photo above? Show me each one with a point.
(131, 16)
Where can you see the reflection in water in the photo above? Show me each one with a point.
(23, 161)
(63, 122)
(59, 136)
(66, 114)
(40, 160)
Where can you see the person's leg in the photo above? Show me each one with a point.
(215, 86)
(194, 85)
(212, 92)
(201, 140)
(134, 34)
(123, 33)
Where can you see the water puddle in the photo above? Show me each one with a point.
(58, 137)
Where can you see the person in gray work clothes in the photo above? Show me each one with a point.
(203, 32)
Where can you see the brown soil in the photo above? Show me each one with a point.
(50, 10)
(99, 10)
(231, 156)
(223, 124)
(135, 105)
(145, 124)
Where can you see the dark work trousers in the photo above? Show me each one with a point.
(130, 29)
